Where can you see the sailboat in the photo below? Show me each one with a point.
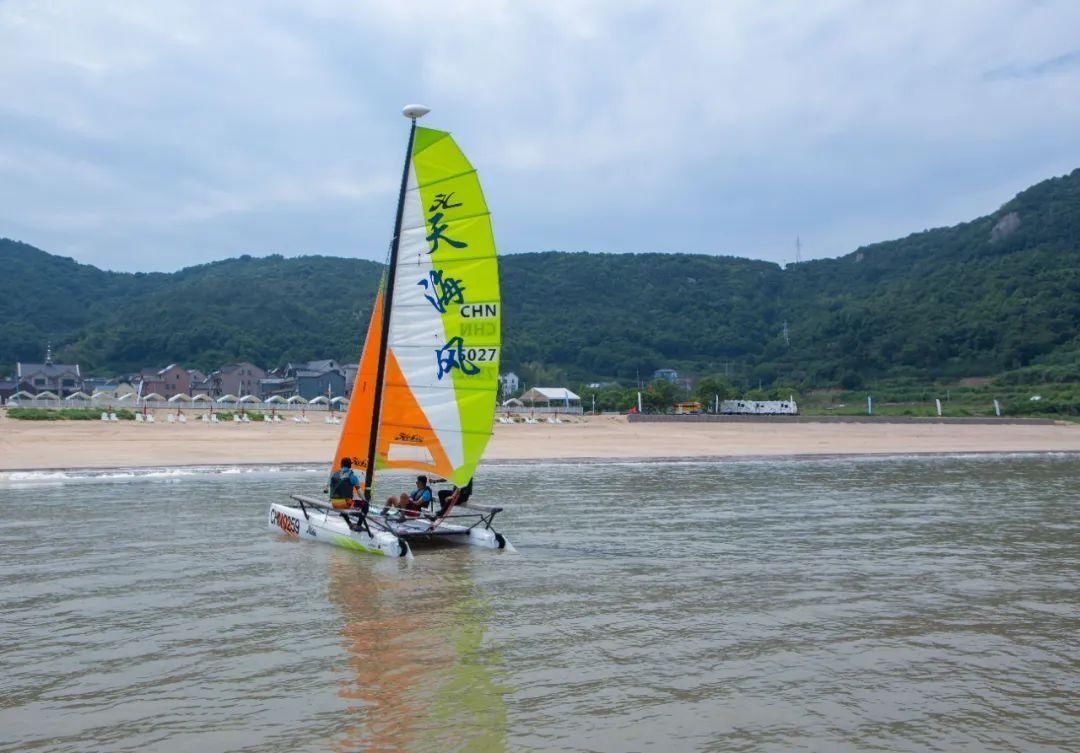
(424, 396)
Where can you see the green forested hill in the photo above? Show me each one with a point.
(999, 293)
(978, 298)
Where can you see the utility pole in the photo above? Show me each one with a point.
(798, 250)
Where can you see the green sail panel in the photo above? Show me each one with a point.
(445, 323)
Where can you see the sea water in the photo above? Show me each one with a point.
(900, 604)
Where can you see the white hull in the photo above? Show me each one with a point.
(321, 524)
(328, 528)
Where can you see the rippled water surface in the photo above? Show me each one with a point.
(904, 604)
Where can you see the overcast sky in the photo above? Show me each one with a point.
(152, 136)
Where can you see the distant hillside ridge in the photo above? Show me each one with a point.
(998, 293)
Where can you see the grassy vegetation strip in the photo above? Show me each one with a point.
(65, 414)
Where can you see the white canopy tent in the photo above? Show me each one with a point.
(249, 399)
(339, 400)
(46, 395)
(276, 399)
(200, 398)
(180, 398)
(296, 399)
(228, 399)
(20, 395)
(126, 396)
(320, 399)
(80, 395)
(153, 396)
(549, 395)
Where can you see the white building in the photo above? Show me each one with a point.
(550, 395)
(760, 407)
(509, 383)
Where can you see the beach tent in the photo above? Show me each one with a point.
(296, 399)
(320, 399)
(46, 395)
(102, 395)
(153, 396)
(513, 403)
(276, 399)
(248, 399)
(19, 396)
(180, 398)
(78, 396)
(125, 396)
(340, 400)
(228, 399)
(200, 397)
(549, 395)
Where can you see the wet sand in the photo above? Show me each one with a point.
(26, 445)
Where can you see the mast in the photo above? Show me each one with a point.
(412, 112)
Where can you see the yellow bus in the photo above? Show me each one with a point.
(686, 409)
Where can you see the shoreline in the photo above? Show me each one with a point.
(591, 460)
(88, 445)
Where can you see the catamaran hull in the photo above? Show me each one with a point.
(332, 529)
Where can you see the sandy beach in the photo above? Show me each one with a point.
(26, 445)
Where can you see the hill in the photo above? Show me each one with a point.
(999, 293)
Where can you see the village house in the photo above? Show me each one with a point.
(308, 379)
(172, 380)
(7, 389)
(62, 379)
(235, 379)
(509, 383)
(350, 373)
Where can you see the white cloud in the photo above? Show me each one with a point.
(202, 129)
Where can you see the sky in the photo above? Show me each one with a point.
(143, 136)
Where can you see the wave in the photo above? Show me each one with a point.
(50, 477)
(160, 473)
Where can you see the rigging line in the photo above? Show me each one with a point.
(380, 373)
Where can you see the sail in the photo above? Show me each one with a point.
(356, 429)
(442, 362)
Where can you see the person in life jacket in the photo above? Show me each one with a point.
(411, 503)
(459, 495)
(342, 487)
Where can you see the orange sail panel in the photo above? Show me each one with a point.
(406, 439)
(356, 430)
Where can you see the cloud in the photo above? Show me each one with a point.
(150, 136)
(1049, 66)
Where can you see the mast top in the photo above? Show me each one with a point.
(414, 112)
